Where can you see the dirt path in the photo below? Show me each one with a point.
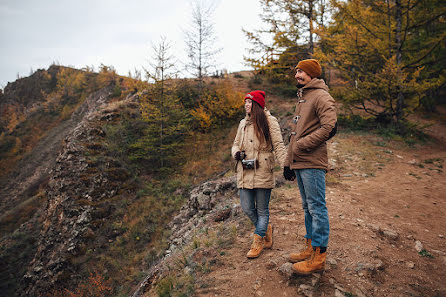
(382, 198)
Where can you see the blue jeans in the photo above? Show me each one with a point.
(312, 190)
(255, 203)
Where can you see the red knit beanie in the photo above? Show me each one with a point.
(311, 67)
(257, 96)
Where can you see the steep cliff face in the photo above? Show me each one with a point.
(81, 195)
(59, 193)
(22, 190)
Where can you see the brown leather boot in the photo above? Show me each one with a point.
(314, 264)
(304, 254)
(268, 239)
(256, 247)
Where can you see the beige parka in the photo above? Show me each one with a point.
(246, 140)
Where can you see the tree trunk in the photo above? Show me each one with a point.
(310, 19)
(398, 45)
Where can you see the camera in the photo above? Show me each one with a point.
(249, 164)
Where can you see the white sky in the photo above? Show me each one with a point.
(80, 33)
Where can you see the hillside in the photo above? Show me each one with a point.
(81, 211)
(386, 206)
(82, 194)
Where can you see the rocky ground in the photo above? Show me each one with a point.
(386, 204)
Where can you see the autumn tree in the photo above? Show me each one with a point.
(383, 50)
(219, 105)
(200, 40)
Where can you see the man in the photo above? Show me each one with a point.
(314, 122)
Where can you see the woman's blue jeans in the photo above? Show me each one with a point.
(312, 190)
(255, 203)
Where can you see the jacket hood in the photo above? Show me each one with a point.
(316, 83)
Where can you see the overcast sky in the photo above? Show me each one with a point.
(80, 33)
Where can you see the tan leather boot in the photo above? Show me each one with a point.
(268, 239)
(314, 264)
(256, 247)
(304, 254)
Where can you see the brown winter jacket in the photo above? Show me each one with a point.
(246, 140)
(314, 122)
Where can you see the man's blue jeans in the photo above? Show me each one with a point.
(255, 203)
(312, 189)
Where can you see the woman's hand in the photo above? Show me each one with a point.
(238, 156)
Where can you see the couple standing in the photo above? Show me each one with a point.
(259, 138)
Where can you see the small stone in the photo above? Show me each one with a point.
(222, 215)
(316, 278)
(332, 261)
(338, 287)
(332, 281)
(441, 235)
(399, 157)
(271, 265)
(306, 290)
(410, 236)
(374, 227)
(339, 293)
(260, 293)
(379, 265)
(357, 292)
(418, 246)
(411, 265)
(286, 269)
(346, 175)
(390, 234)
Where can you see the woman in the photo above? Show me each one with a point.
(258, 139)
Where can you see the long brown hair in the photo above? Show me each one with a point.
(260, 121)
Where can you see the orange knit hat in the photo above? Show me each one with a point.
(311, 67)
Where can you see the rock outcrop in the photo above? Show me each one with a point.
(79, 193)
(208, 202)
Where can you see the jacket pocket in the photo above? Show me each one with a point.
(315, 156)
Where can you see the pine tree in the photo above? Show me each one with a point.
(162, 112)
(290, 35)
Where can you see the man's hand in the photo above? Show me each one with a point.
(288, 174)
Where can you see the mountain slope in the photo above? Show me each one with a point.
(383, 197)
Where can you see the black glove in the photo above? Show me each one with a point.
(238, 156)
(288, 174)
